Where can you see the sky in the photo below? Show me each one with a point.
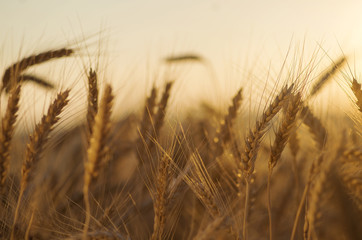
(235, 37)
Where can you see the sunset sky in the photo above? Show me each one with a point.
(233, 35)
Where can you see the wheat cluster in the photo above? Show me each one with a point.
(288, 174)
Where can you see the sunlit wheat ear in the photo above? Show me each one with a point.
(7, 131)
(224, 136)
(37, 141)
(92, 100)
(13, 73)
(315, 126)
(327, 76)
(357, 91)
(252, 144)
(284, 131)
(252, 141)
(281, 138)
(97, 149)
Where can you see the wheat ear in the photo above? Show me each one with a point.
(13, 72)
(280, 141)
(146, 123)
(97, 149)
(330, 72)
(37, 140)
(7, 131)
(161, 111)
(252, 143)
(92, 100)
(160, 201)
(315, 126)
(224, 135)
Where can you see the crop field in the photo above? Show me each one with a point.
(279, 171)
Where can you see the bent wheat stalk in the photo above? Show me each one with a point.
(13, 73)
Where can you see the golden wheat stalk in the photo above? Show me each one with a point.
(280, 141)
(252, 143)
(7, 131)
(97, 149)
(314, 169)
(36, 144)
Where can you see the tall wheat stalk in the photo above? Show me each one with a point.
(280, 141)
(252, 143)
(36, 144)
(97, 149)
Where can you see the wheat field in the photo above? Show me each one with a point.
(288, 174)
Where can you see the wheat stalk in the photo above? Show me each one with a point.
(7, 131)
(97, 149)
(252, 143)
(280, 141)
(161, 200)
(36, 144)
